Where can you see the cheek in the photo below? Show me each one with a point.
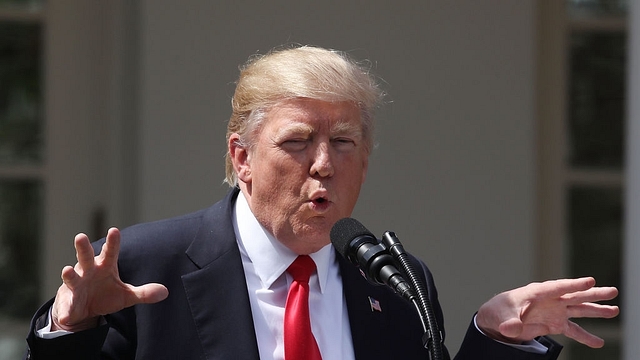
(278, 180)
(285, 172)
(350, 180)
(357, 169)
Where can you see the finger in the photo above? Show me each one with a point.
(558, 288)
(69, 276)
(111, 247)
(591, 295)
(149, 293)
(84, 252)
(590, 310)
(574, 331)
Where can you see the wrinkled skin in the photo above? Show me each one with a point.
(305, 171)
(547, 308)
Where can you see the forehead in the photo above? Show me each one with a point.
(314, 114)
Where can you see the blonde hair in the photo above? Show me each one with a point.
(298, 72)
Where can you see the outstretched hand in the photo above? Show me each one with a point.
(547, 308)
(93, 287)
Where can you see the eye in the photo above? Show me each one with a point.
(344, 143)
(297, 144)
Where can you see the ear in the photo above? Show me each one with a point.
(240, 158)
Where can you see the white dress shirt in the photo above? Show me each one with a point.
(265, 261)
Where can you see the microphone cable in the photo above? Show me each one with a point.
(432, 339)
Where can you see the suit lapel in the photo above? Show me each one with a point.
(366, 322)
(217, 291)
(393, 331)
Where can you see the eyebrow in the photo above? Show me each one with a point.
(299, 128)
(343, 127)
(340, 128)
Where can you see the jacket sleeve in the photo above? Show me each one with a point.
(81, 345)
(478, 346)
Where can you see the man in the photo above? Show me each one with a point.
(216, 284)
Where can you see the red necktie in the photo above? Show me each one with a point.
(299, 343)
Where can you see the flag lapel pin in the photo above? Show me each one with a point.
(375, 304)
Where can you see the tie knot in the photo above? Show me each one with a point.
(302, 268)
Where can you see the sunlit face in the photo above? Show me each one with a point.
(305, 171)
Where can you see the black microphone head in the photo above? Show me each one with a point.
(344, 231)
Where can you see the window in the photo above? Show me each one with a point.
(581, 108)
(21, 169)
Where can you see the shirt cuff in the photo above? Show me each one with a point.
(532, 346)
(46, 333)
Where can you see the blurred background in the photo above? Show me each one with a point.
(501, 146)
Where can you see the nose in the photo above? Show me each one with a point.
(321, 162)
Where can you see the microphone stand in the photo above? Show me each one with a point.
(432, 338)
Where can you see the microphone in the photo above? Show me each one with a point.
(356, 244)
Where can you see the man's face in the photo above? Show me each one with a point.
(305, 171)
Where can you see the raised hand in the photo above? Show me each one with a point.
(547, 308)
(93, 287)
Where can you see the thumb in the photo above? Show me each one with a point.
(511, 328)
(149, 293)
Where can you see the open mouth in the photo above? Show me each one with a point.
(321, 203)
(320, 200)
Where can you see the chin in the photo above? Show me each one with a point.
(315, 234)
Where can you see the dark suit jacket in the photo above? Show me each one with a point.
(208, 316)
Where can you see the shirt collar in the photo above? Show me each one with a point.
(269, 257)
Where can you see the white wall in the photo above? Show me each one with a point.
(631, 311)
(78, 116)
(454, 172)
